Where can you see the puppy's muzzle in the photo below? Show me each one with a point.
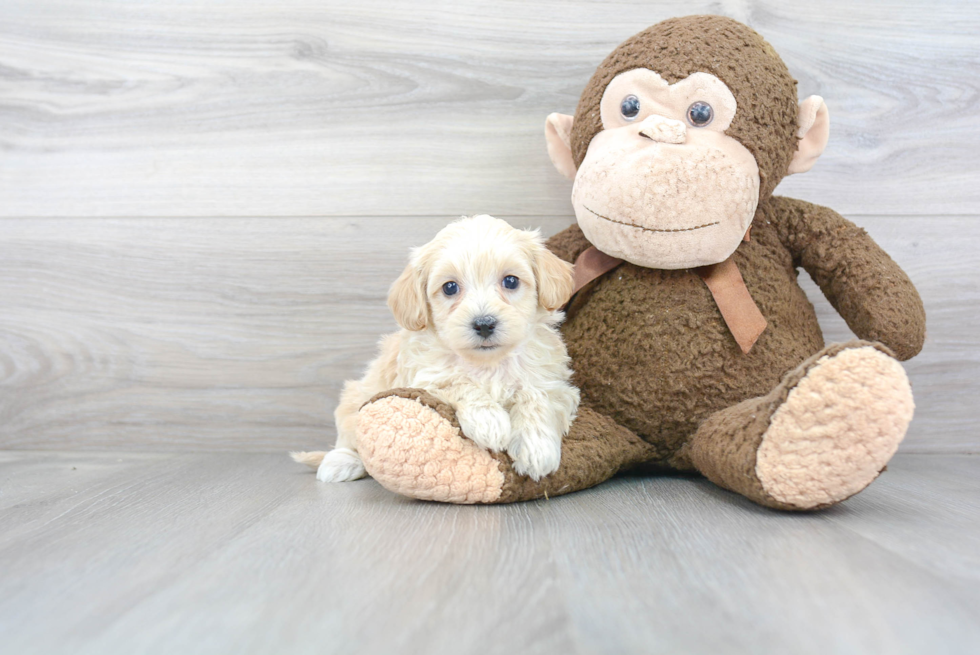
(484, 326)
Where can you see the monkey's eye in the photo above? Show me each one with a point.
(700, 114)
(450, 288)
(629, 107)
(511, 282)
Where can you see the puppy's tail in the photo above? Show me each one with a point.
(310, 459)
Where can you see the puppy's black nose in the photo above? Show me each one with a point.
(485, 325)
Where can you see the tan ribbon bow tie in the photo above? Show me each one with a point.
(741, 314)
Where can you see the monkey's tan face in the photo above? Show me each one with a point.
(661, 185)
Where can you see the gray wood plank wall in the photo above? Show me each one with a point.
(202, 204)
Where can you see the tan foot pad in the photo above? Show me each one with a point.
(836, 430)
(413, 450)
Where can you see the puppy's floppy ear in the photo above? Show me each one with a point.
(406, 298)
(555, 279)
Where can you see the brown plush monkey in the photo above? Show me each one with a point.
(693, 344)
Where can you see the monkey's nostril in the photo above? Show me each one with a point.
(484, 326)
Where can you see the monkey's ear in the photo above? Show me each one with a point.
(558, 134)
(554, 277)
(406, 299)
(813, 132)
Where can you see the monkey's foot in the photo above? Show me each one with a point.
(823, 435)
(412, 445)
(837, 429)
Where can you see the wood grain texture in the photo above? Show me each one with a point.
(175, 334)
(202, 205)
(247, 553)
(379, 108)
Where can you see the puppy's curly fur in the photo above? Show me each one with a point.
(478, 307)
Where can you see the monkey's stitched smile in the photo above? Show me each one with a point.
(650, 229)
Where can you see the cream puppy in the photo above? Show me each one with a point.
(478, 307)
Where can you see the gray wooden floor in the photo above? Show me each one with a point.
(247, 553)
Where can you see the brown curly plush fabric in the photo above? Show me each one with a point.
(594, 450)
(862, 282)
(415, 449)
(651, 350)
(737, 55)
(726, 446)
(663, 380)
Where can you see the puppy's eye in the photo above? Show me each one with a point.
(511, 282)
(629, 107)
(700, 114)
(450, 288)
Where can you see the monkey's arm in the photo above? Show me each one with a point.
(869, 290)
(569, 243)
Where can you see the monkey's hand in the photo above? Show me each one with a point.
(869, 290)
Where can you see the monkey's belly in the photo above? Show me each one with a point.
(651, 350)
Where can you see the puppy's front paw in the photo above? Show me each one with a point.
(535, 454)
(485, 425)
(340, 465)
